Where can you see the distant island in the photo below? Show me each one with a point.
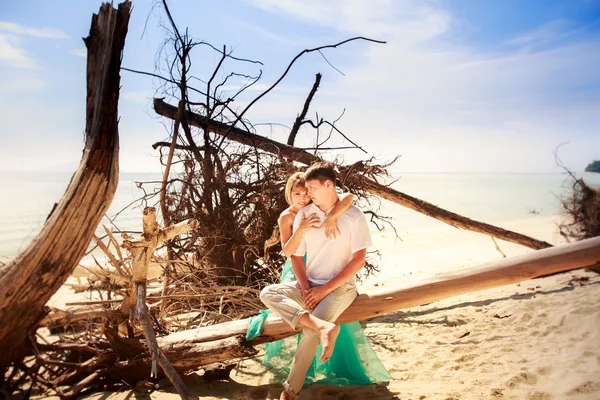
(593, 167)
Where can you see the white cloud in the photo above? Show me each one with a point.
(274, 37)
(448, 106)
(46, 33)
(12, 55)
(546, 33)
(81, 52)
(20, 84)
(408, 20)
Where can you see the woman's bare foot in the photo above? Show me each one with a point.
(328, 337)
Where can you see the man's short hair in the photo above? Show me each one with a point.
(322, 171)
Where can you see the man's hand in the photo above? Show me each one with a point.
(331, 229)
(305, 293)
(312, 297)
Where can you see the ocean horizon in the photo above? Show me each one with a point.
(488, 197)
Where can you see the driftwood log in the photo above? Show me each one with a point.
(194, 348)
(35, 275)
(386, 192)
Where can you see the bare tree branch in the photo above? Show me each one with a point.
(302, 115)
(305, 51)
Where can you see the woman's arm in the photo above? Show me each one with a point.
(290, 241)
(344, 203)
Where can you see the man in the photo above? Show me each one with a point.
(325, 285)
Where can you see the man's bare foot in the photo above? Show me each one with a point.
(328, 337)
(285, 395)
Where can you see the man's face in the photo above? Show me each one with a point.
(317, 191)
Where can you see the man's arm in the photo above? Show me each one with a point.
(350, 270)
(360, 240)
(316, 294)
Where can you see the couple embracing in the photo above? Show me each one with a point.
(325, 238)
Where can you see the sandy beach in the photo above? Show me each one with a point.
(479, 113)
(534, 340)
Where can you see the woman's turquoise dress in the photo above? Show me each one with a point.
(353, 361)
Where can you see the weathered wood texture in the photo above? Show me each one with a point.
(191, 349)
(35, 275)
(560, 258)
(134, 364)
(302, 156)
(194, 348)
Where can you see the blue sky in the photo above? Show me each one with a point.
(461, 85)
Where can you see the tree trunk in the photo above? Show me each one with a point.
(299, 155)
(197, 347)
(36, 274)
(185, 355)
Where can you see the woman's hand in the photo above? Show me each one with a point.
(331, 229)
(309, 223)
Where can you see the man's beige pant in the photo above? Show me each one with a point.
(285, 300)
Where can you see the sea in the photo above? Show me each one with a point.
(28, 198)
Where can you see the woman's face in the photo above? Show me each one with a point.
(299, 197)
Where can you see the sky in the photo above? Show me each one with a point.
(460, 86)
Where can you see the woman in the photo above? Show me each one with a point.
(353, 361)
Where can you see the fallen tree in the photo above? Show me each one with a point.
(35, 275)
(296, 154)
(194, 348)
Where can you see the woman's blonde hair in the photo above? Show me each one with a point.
(296, 179)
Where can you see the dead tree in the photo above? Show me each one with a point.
(35, 275)
(233, 191)
(142, 250)
(350, 175)
(581, 207)
(194, 348)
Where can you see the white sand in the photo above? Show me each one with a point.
(535, 340)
